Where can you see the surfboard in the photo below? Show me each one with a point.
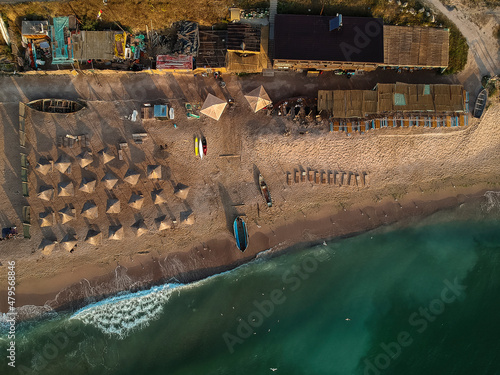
(196, 146)
(200, 146)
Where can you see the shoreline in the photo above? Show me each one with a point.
(328, 223)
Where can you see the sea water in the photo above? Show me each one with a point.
(419, 298)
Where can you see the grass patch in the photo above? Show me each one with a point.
(458, 51)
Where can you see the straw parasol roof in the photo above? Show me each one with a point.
(43, 166)
(115, 232)
(89, 210)
(158, 196)
(181, 191)
(67, 214)
(131, 176)
(258, 99)
(68, 242)
(46, 219)
(213, 107)
(139, 228)
(163, 223)
(85, 158)
(109, 180)
(46, 193)
(63, 163)
(187, 217)
(65, 189)
(87, 185)
(94, 237)
(136, 201)
(113, 206)
(154, 172)
(47, 246)
(106, 155)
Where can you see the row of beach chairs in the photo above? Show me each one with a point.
(339, 178)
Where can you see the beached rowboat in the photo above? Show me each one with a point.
(265, 191)
(480, 103)
(240, 233)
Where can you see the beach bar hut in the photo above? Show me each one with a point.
(213, 107)
(258, 99)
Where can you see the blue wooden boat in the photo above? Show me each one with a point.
(240, 233)
(480, 103)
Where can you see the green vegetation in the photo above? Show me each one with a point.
(89, 24)
(458, 50)
(158, 14)
(490, 85)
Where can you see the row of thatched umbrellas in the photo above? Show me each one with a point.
(115, 232)
(88, 185)
(63, 163)
(113, 206)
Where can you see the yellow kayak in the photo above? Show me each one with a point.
(196, 146)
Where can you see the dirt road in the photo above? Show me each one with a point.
(477, 25)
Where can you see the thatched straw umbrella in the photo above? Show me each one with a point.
(46, 193)
(115, 232)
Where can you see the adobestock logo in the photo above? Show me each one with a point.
(420, 320)
(362, 39)
(264, 308)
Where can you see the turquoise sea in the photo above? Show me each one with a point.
(419, 298)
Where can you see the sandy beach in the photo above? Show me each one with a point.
(410, 173)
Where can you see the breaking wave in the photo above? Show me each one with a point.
(492, 201)
(122, 314)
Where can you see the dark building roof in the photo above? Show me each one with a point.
(297, 37)
(212, 50)
(243, 37)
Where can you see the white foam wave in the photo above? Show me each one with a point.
(492, 201)
(120, 315)
(123, 314)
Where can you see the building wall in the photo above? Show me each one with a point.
(322, 65)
